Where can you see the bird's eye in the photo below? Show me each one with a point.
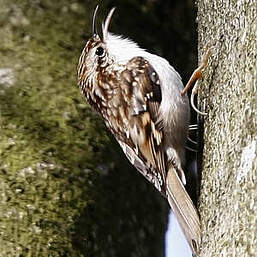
(99, 51)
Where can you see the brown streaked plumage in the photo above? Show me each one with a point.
(139, 97)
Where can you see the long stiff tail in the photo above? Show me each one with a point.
(184, 210)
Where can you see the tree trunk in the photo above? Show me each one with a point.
(228, 204)
(65, 189)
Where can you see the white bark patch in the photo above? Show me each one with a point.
(6, 76)
(6, 79)
(247, 159)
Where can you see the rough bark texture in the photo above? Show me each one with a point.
(228, 203)
(65, 187)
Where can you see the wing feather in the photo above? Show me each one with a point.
(143, 144)
(150, 159)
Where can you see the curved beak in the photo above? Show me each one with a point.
(94, 25)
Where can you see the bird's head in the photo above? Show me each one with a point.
(103, 51)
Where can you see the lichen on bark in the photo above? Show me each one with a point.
(229, 193)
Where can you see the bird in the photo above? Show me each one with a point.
(142, 101)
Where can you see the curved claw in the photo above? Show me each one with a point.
(194, 91)
(191, 149)
(197, 74)
(193, 127)
(191, 140)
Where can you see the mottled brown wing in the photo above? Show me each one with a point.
(143, 142)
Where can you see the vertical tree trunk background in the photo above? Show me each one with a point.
(66, 189)
(228, 205)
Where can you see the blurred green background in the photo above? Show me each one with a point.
(66, 187)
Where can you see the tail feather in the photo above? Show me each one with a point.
(184, 210)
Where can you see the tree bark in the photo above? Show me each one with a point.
(65, 187)
(228, 92)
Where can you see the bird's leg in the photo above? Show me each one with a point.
(197, 74)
